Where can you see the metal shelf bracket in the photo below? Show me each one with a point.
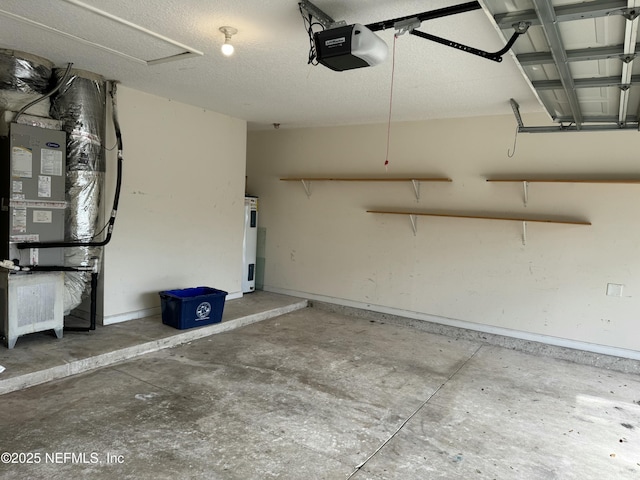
(416, 188)
(524, 233)
(525, 186)
(414, 223)
(307, 187)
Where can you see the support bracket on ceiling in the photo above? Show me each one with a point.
(323, 19)
(520, 29)
(408, 25)
(629, 13)
(516, 111)
(568, 127)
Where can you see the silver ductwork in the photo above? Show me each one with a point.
(80, 104)
(23, 72)
(24, 77)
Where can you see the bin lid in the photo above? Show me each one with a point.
(192, 292)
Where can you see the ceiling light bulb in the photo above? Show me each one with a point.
(227, 49)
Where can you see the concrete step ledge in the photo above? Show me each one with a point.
(86, 364)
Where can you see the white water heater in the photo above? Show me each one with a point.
(249, 244)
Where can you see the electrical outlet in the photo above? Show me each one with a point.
(614, 289)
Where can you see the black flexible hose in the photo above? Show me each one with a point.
(116, 197)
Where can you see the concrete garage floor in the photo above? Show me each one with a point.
(314, 394)
(40, 357)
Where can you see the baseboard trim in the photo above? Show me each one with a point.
(603, 356)
(124, 317)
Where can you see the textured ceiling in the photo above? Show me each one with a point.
(268, 79)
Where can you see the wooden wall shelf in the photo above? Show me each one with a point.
(413, 217)
(567, 180)
(415, 181)
(526, 181)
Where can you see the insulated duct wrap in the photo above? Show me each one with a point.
(23, 78)
(23, 72)
(80, 104)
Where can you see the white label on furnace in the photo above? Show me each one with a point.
(19, 223)
(51, 162)
(42, 216)
(17, 186)
(17, 196)
(32, 237)
(44, 186)
(21, 162)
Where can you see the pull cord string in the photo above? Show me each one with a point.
(393, 70)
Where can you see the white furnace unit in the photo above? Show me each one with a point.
(249, 244)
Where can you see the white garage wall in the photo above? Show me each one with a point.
(180, 218)
(474, 273)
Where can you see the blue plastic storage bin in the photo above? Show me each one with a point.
(192, 307)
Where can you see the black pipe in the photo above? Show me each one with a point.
(92, 314)
(441, 12)
(94, 300)
(54, 268)
(116, 199)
